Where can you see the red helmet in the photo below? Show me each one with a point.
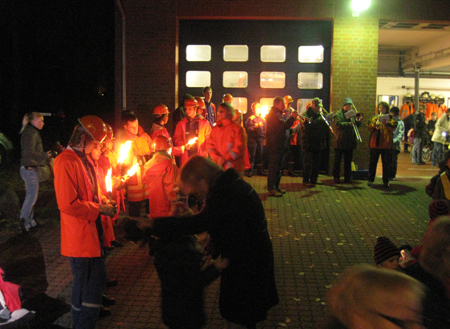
(109, 132)
(200, 102)
(190, 102)
(94, 126)
(288, 99)
(161, 143)
(160, 109)
(227, 98)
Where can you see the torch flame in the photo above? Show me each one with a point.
(133, 170)
(169, 151)
(124, 150)
(108, 180)
(192, 141)
(264, 110)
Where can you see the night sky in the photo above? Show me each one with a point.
(55, 56)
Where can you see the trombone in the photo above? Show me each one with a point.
(326, 121)
(359, 117)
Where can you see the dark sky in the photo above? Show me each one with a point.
(54, 57)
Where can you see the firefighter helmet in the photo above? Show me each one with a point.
(200, 102)
(190, 102)
(288, 99)
(109, 132)
(256, 106)
(227, 98)
(160, 110)
(94, 126)
(441, 99)
(161, 143)
(433, 97)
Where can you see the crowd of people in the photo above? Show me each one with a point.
(189, 181)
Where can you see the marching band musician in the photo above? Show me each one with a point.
(344, 142)
(313, 140)
(381, 138)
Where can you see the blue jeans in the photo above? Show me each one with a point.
(438, 153)
(417, 151)
(30, 177)
(89, 284)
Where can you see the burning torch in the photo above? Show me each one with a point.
(192, 141)
(108, 182)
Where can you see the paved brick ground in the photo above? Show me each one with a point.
(316, 233)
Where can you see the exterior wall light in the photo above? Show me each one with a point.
(359, 6)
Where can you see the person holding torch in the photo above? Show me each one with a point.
(77, 195)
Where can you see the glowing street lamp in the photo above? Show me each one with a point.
(359, 6)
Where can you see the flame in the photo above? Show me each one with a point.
(264, 110)
(108, 180)
(192, 141)
(124, 150)
(133, 170)
(169, 151)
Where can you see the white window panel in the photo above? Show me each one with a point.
(310, 54)
(240, 103)
(272, 80)
(198, 53)
(301, 105)
(310, 80)
(198, 79)
(235, 79)
(235, 53)
(274, 54)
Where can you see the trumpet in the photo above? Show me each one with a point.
(305, 118)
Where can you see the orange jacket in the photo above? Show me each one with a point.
(386, 132)
(179, 137)
(442, 109)
(161, 176)
(431, 107)
(159, 130)
(407, 109)
(227, 141)
(75, 197)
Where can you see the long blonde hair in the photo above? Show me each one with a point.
(27, 118)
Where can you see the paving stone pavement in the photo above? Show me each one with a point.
(316, 233)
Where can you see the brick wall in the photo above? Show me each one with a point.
(354, 72)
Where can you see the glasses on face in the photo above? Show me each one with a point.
(403, 324)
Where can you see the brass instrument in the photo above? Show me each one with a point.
(359, 118)
(326, 121)
(303, 117)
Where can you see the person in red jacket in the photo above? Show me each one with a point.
(226, 144)
(160, 176)
(191, 127)
(77, 195)
(161, 116)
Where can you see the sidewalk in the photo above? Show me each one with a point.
(316, 233)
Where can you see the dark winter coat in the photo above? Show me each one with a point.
(32, 150)
(315, 132)
(345, 137)
(420, 127)
(436, 304)
(234, 217)
(278, 131)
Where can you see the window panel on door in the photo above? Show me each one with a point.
(301, 105)
(240, 103)
(235, 53)
(198, 79)
(274, 54)
(235, 79)
(272, 79)
(198, 53)
(310, 80)
(310, 54)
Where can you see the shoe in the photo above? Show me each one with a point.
(275, 193)
(106, 301)
(104, 312)
(282, 191)
(369, 183)
(116, 244)
(348, 181)
(22, 226)
(386, 184)
(337, 181)
(111, 283)
(250, 173)
(393, 178)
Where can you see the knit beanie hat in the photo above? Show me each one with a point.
(384, 249)
(348, 100)
(438, 208)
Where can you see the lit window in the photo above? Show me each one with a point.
(301, 105)
(313, 80)
(198, 53)
(310, 54)
(273, 54)
(266, 105)
(272, 79)
(235, 79)
(235, 53)
(198, 78)
(240, 103)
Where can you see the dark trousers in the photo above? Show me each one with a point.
(385, 159)
(134, 208)
(348, 157)
(255, 150)
(293, 158)
(89, 284)
(394, 160)
(275, 171)
(312, 161)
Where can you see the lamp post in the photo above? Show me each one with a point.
(359, 6)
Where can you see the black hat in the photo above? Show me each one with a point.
(384, 249)
(438, 208)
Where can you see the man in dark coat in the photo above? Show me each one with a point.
(314, 140)
(344, 142)
(420, 134)
(234, 217)
(278, 132)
